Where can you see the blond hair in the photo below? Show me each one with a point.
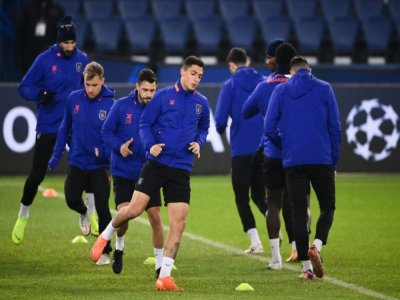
(92, 70)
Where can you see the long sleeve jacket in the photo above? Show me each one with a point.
(258, 102)
(245, 134)
(81, 125)
(176, 118)
(121, 125)
(52, 71)
(303, 120)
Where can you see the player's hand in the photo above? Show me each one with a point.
(195, 148)
(124, 149)
(53, 162)
(46, 97)
(156, 149)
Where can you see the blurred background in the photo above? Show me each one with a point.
(353, 44)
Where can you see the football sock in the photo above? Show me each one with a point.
(253, 235)
(108, 231)
(158, 254)
(276, 256)
(294, 246)
(306, 265)
(166, 266)
(90, 202)
(120, 243)
(318, 243)
(24, 211)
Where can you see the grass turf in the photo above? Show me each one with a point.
(361, 258)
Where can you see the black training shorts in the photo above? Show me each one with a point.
(175, 182)
(124, 188)
(274, 175)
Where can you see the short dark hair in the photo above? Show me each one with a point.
(192, 60)
(284, 53)
(299, 62)
(147, 75)
(237, 56)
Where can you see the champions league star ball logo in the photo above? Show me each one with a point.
(372, 129)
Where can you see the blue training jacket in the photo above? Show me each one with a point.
(303, 120)
(258, 102)
(121, 125)
(52, 71)
(82, 123)
(176, 118)
(245, 134)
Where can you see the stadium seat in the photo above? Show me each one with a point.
(140, 33)
(175, 34)
(264, 9)
(298, 9)
(81, 30)
(106, 33)
(275, 27)
(198, 9)
(242, 32)
(335, 9)
(377, 33)
(394, 9)
(98, 9)
(368, 8)
(233, 9)
(130, 9)
(309, 32)
(71, 7)
(208, 33)
(344, 32)
(166, 9)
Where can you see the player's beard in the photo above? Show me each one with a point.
(68, 53)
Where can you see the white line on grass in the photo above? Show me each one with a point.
(234, 250)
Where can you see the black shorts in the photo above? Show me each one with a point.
(124, 188)
(175, 182)
(274, 175)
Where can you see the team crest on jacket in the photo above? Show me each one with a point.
(78, 67)
(102, 115)
(199, 108)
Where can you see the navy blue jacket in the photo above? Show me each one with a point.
(52, 71)
(121, 125)
(258, 102)
(245, 134)
(82, 123)
(303, 120)
(176, 118)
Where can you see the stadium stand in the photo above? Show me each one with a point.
(233, 9)
(309, 32)
(366, 9)
(299, 9)
(140, 33)
(208, 33)
(130, 9)
(71, 7)
(265, 9)
(220, 24)
(242, 32)
(166, 9)
(199, 9)
(98, 9)
(175, 35)
(274, 27)
(335, 9)
(106, 33)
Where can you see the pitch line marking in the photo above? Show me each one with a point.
(234, 250)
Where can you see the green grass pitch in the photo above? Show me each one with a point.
(361, 259)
